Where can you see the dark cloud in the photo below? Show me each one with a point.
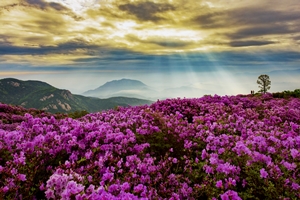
(265, 19)
(171, 44)
(45, 6)
(146, 11)
(41, 4)
(64, 48)
(51, 24)
(7, 7)
(248, 26)
(262, 15)
(249, 43)
(296, 37)
(211, 20)
(193, 59)
(255, 31)
(121, 59)
(160, 41)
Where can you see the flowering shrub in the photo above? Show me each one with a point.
(237, 147)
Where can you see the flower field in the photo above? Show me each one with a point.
(231, 147)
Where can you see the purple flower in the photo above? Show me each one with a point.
(174, 160)
(294, 153)
(42, 187)
(22, 177)
(67, 164)
(230, 182)
(204, 154)
(295, 186)
(125, 187)
(175, 197)
(107, 176)
(50, 194)
(289, 166)
(90, 178)
(263, 173)
(271, 150)
(213, 160)
(244, 183)
(14, 171)
(188, 144)
(221, 150)
(208, 169)
(230, 195)
(5, 189)
(88, 154)
(219, 184)
(139, 188)
(114, 188)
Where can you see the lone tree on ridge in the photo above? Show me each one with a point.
(264, 83)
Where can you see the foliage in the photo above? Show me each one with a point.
(231, 147)
(264, 83)
(287, 94)
(78, 114)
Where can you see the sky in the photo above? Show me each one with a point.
(217, 46)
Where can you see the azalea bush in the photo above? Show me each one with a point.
(230, 147)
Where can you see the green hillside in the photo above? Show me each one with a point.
(40, 95)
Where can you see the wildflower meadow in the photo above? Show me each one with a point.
(229, 147)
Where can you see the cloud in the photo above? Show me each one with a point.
(190, 61)
(116, 60)
(249, 43)
(160, 41)
(296, 37)
(63, 48)
(210, 19)
(214, 17)
(256, 31)
(146, 11)
(262, 15)
(39, 28)
(41, 4)
(248, 22)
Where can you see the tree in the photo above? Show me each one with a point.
(264, 83)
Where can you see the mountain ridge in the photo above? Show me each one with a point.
(41, 95)
(127, 87)
(117, 87)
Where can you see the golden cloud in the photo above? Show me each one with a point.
(163, 26)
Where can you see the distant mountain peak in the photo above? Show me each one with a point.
(125, 81)
(116, 86)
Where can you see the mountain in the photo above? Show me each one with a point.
(40, 95)
(122, 87)
(137, 89)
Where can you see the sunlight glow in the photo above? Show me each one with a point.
(78, 6)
